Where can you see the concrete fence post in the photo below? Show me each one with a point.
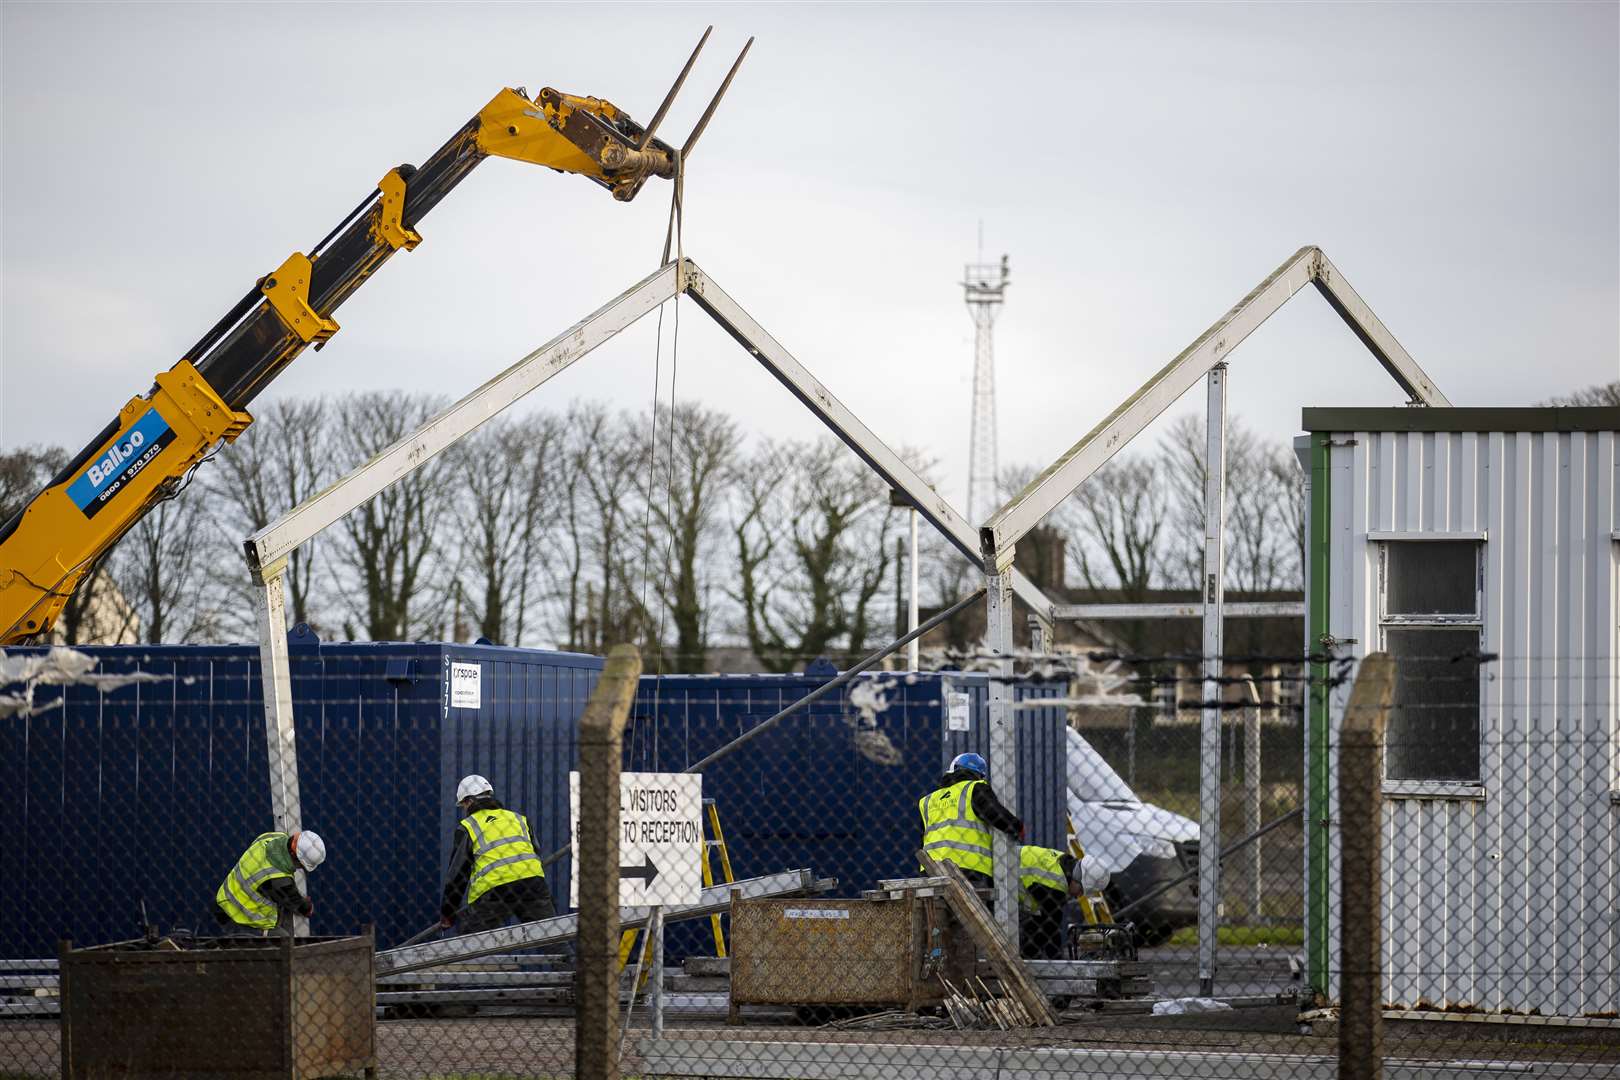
(596, 979)
(1361, 893)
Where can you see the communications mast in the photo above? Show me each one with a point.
(983, 286)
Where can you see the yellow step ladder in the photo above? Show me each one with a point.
(716, 839)
(1093, 907)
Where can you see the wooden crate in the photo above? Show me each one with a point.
(842, 952)
(244, 1008)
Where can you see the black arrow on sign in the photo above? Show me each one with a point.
(646, 872)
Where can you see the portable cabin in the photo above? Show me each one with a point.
(1480, 547)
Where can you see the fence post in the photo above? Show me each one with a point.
(596, 990)
(1361, 894)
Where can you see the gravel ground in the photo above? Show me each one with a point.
(489, 1048)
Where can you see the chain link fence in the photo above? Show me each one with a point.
(820, 944)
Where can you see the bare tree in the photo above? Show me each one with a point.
(1597, 394)
(1287, 481)
(813, 536)
(507, 498)
(1260, 553)
(159, 567)
(1117, 521)
(602, 514)
(281, 460)
(388, 549)
(694, 462)
(23, 472)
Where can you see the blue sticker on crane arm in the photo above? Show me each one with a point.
(130, 452)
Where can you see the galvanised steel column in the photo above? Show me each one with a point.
(1209, 742)
(998, 612)
(280, 736)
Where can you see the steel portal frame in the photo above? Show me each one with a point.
(992, 546)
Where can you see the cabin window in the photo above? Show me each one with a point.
(1431, 623)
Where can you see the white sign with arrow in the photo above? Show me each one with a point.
(660, 838)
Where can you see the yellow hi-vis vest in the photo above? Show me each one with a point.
(1038, 868)
(238, 894)
(952, 832)
(503, 850)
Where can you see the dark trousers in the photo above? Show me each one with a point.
(229, 927)
(1040, 933)
(525, 900)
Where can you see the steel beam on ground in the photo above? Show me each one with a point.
(1260, 609)
(478, 978)
(532, 935)
(28, 982)
(1209, 741)
(1306, 266)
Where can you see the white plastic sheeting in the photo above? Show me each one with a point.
(20, 674)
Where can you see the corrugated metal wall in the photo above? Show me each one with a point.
(1506, 902)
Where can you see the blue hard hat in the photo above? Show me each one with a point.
(973, 763)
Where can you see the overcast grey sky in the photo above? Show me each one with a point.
(1144, 166)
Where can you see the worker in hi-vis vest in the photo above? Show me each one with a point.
(495, 873)
(1046, 880)
(957, 818)
(259, 895)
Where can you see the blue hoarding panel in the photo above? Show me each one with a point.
(149, 792)
(835, 786)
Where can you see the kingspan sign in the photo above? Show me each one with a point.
(130, 452)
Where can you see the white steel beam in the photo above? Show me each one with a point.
(1306, 266)
(1261, 609)
(1374, 334)
(280, 736)
(849, 428)
(560, 928)
(1209, 734)
(998, 621)
(278, 539)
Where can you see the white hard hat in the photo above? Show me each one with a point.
(1090, 874)
(310, 849)
(473, 785)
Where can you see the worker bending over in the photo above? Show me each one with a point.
(957, 818)
(259, 895)
(494, 864)
(1046, 880)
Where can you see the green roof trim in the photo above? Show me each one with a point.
(1534, 418)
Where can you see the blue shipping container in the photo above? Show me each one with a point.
(146, 794)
